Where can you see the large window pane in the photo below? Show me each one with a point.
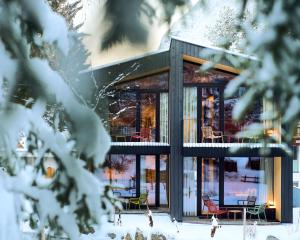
(164, 180)
(120, 172)
(122, 117)
(248, 176)
(192, 74)
(155, 81)
(164, 118)
(232, 127)
(148, 117)
(211, 108)
(210, 180)
(190, 115)
(190, 186)
(148, 177)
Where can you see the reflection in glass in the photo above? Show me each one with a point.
(190, 186)
(120, 172)
(122, 115)
(210, 180)
(190, 115)
(164, 133)
(164, 183)
(192, 74)
(148, 116)
(148, 177)
(232, 127)
(155, 81)
(211, 108)
(248, 176)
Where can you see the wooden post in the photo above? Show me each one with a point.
(244, 223)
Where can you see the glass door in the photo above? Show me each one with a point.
(209, 181)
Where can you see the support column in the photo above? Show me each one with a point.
(176, 130)
(286, 189)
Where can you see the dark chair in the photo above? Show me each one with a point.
(250, 201)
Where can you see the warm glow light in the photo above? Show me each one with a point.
(271, 204)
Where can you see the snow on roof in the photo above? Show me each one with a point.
(166, 50)
(213, 48)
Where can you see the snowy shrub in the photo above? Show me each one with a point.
(73, 199)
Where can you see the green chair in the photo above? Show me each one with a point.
(257, 210)
(142, 199)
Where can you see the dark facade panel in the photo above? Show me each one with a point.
(140, 150)
(176, 130)
(226, 152)
(197, 51)
(287, 189)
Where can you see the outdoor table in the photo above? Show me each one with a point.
(234, 211)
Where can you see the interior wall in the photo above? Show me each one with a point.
(277, 186)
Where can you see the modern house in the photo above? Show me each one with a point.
(173, 135)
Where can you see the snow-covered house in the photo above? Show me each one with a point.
(173, 134)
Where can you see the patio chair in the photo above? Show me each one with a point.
(142, 199)
(206, 197)
(257, 210)
(250, 201)
(213, 209)
(143, 135)
(209, 133)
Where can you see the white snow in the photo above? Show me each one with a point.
(190, 231)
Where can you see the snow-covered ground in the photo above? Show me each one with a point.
(187, 231)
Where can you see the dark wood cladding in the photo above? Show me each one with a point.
(216, 152)
(176, 130)
(287, 189)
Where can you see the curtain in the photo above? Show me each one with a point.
(164, 119)
(190, 115)
(190, 186)
(266, 188)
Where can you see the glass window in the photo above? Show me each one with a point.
(148, 117)
(211, 107)
(155, 81)
(210, 180)
(295, 165)
(190, 115)
(232, 127)
(164, 180)
(148, 177)
(248, 176)
(164, 118)
(120, 172)
(190, 186)
(122, 117)
(192, 74)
